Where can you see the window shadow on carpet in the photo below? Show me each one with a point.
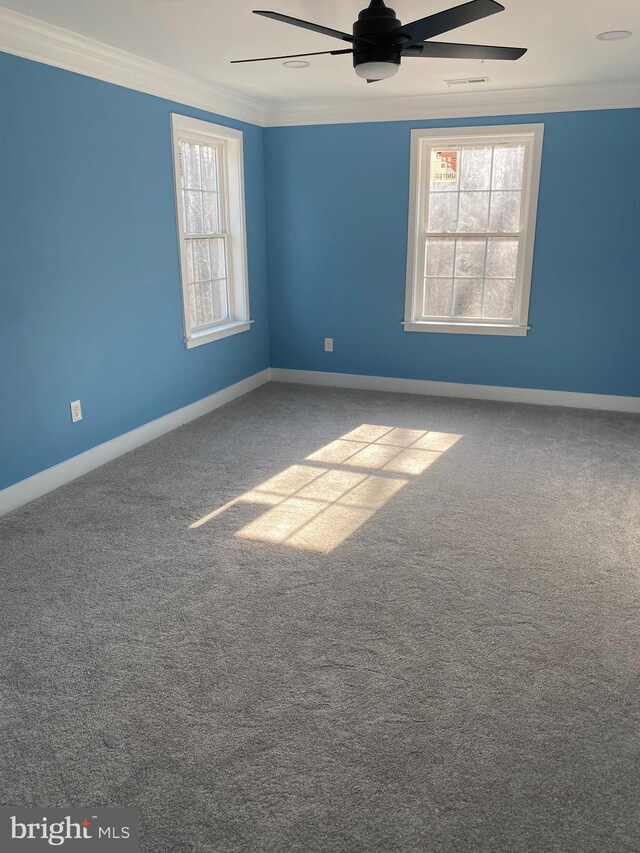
(317, 504)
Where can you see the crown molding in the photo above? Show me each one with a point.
(547, 99)
(31, 38)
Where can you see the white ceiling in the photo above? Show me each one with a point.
(200, 37)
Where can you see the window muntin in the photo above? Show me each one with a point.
(473, 229)
(211, 226)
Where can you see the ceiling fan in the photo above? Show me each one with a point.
(380, 41)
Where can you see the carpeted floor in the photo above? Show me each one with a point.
(424, 649)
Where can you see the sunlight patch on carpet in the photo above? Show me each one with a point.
(316, 505)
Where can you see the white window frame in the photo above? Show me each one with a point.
(422, 142)
(228, 141)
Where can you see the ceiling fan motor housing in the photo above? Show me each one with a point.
(377, 20)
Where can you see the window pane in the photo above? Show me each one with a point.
(499, 296)
(201, 304)
(443, 211)
(218, 259)
(191, 307)
(505, 211)
(211, 213)
(502, 257)
(508, 167)
(209, 165)
(439, 257)
(201, 262)
(193, 214)
(437, 297)
(476, 169)
(467, 298)
(220, 300)
(208, 303)
(190, 166)
(188, 255)
(470, 258)
(474, 211)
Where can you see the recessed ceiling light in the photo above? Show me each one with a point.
(614, 35)
(296, 63)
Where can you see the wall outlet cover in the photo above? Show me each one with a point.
(76, 411)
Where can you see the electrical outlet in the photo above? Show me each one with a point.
(76, 411)
(328, 344)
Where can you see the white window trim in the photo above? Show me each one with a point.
(184, 128)
(533, 135)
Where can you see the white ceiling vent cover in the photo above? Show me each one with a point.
(466, 81)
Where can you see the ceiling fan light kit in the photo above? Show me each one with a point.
(380, 70)
(379, 41)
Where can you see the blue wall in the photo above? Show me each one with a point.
(337, 213)
(90, 303)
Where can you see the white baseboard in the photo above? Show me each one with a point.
(46, 481)
(34, 487)
(573, 399)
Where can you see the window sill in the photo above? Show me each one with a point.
(215, 334)
(465, 328)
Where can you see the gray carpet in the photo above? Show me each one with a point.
(456, 669)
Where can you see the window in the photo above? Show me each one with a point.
(208, 165)
(474, 194)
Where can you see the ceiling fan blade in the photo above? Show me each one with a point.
(442, 22)
(305, 25)
(447, 50)
(293, 56)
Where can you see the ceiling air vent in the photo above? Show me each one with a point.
(466, 81)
